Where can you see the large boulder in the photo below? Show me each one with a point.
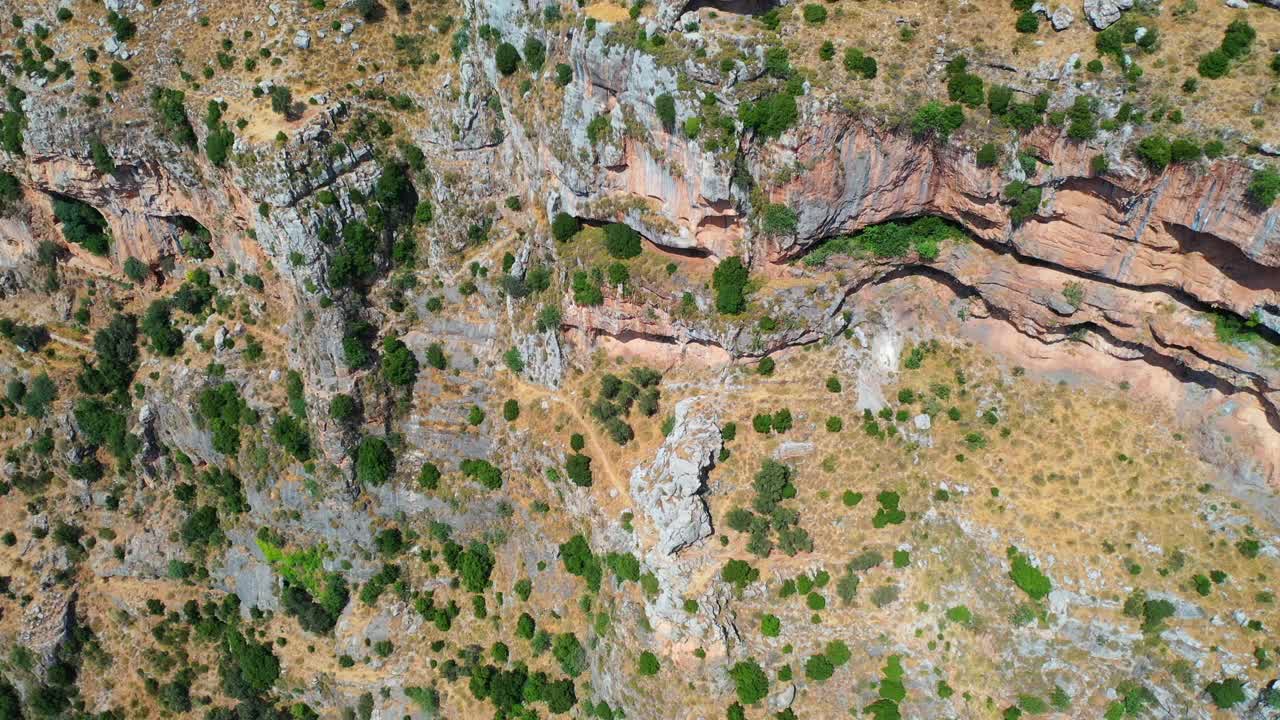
(1104, 13)
(670, 488)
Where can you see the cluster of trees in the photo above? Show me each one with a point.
(195, 294)
(580, 561)
(390, 208)
(923, 235)
(512, 688)
(483, 472)
(1024, 199)
(1237, 41)
(82, 224)
(1158, 152)
(222, 407)
(217, 144)
(772, 485)
(822, 666)
(33, 399)
(157, 325)
(170, 110)
(473, 564)
(888, 512)
(29, 338)
(891, 690)
(618, 396)
(779, 422)
(860, 64)
(933, 119)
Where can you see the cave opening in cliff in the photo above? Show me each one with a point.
(735, 7)
(192, 237)
(81, 223)
(921, 234)
(694, 252)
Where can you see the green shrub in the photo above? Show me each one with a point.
(729, 280)
(1025, 200)
(647, 664)
(665, 105)
(507, 58)
(580, 561)
(12, 125)
(1213, 64)
(399, 366)
(1028, 577)
(1083, 119)
(814, 14)
(771, 116)
(343, 408)
(585, 290)
(749, 681)
(1238, 39)
(156, 325)
(621, 241)
(999, 98)
(1028, 22)
(858, 63)
(429, 477)
(570, 654)
(965, 88)
(770, 626)
(818, 668)
(483, 472)
(937, 120)
(739, 574)
(1155, 151)
(988, 155)
(779, 219)
(374, 461)
(169, 107)
(1264, 187)
(1226, 693)
(535, 54)
(292, 435)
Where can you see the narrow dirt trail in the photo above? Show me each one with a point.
(600, 452)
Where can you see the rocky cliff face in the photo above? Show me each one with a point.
(1123, 266)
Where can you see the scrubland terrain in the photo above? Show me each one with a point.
(424, 359)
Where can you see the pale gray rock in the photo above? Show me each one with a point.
(782, 699)
(47, 623)
(670, 488)
(543, 358)
(1062, 18)
(302, 40)
(1104, 13)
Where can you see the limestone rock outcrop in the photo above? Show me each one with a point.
(670, 488)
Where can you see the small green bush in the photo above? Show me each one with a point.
(814, 14)
(1264, 187)
(507, 58)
